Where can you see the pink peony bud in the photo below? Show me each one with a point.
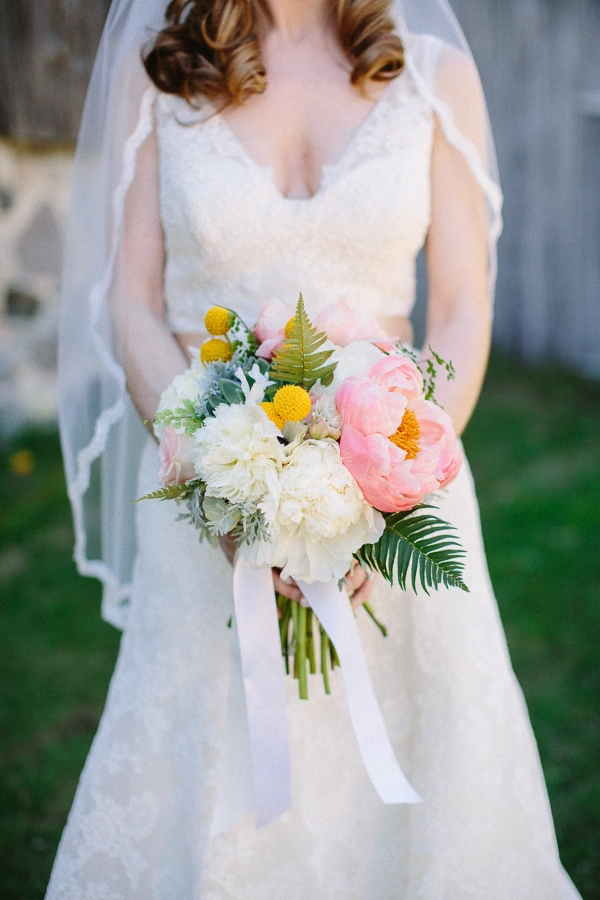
(343, 325)
(173, 454)
(398, 374)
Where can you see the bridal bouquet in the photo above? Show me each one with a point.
(314, 456)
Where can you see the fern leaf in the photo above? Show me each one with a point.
(299, 360)
(421, 547)
(171, 491)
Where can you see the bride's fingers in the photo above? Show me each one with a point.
(363, 593)
(229, 546)
(288, 589)
(355, 579)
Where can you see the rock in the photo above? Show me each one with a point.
(21, 303)
(40, 245)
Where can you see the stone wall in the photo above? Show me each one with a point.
(34, 190)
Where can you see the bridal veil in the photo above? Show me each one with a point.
(102, 437)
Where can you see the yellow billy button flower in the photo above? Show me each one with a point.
(289, 328)
(408, 434)
(214, 350)
(292, 403)
(218, 320)
(272, 414)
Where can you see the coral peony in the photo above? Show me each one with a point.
(438, 437)
(388, 480)
(398, 446)
(174, 456)
(368, 407)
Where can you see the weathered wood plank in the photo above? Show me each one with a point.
(47, 49)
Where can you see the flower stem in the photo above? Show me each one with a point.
(300, 643)
(369, 609)
(324, 661)
(310, 643)
(335, 660)
(295, 638)
(285, 610)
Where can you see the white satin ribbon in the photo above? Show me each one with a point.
(263, 723)
(335, 614)
(257, 729)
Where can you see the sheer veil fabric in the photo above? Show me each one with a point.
(102, 436)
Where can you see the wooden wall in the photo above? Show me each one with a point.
(47, 48)
(540, 64)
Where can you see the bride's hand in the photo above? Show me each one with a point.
(228, 546)
(287, 588)
(357, 583)
(359, 586)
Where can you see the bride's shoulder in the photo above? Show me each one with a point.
(452, 76)
(446, 68)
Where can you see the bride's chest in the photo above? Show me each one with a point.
(215, 194)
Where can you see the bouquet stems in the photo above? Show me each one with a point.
(304, 626)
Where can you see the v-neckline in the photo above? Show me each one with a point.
(327, 168)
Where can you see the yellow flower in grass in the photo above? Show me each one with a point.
(274, 416)
(214, 350)
(292, 403)
(218, 320)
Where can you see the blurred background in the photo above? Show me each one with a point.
(534, 441)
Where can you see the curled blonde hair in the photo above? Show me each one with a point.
(211, 47)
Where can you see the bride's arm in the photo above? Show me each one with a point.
(459, 315)
(152, 355)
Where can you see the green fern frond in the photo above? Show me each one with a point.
(171, 491)
(299, 360)
(421, 546)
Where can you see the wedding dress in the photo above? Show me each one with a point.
(139, 828)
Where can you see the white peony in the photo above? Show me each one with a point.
(188, 386)
(356, 359)
(322, 517)
(237, 454)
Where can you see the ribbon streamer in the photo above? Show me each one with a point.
(257, 729)
(335, 614)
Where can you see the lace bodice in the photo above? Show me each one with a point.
(233, 239)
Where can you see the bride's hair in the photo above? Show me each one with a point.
(211, 47)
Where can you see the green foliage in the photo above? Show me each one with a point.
(171, 491)
(299, 360)
(422, 545)
(232, 391)
(432, 365)
(185, 416)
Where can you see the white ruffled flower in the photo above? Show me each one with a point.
(238, 455)
(322, 517)
(324, 420)
(356, 359)
(188, 386)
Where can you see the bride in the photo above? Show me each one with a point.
(272, 147)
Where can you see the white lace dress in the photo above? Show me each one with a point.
(139, 826)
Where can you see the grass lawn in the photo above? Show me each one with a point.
(534, 445)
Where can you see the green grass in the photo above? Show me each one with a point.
(534, 445)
